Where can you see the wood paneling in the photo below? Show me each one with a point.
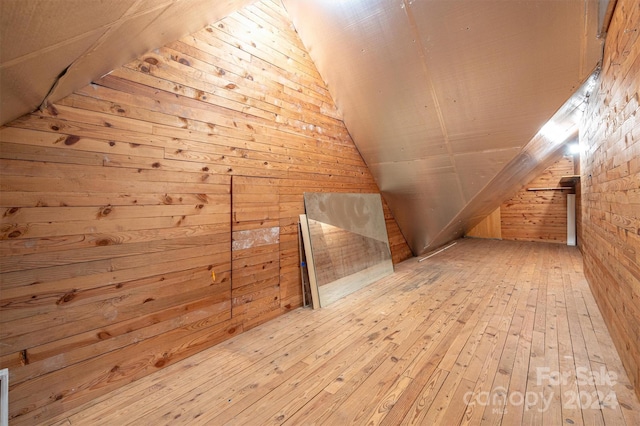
(490, 227)
(610, 192)
(502, 325)
(255, 264)
(116, 231)
(539, 215)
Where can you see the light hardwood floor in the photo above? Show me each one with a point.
(486, 332)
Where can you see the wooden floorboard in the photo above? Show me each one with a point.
(486, 332)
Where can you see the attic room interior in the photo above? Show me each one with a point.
(168, 174)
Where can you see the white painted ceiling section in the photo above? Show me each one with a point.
(443, 98)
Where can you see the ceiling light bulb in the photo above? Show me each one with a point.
(574, 148)
(556, 133)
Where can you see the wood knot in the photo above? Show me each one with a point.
(24, 357)
(103, 242)
(232, 330)
(156, 165)
(167, 199)
(15, 234)
(11, 211)
(66, 298)
(71, 140)
(230, 86)
(54, 128)
(104, 335)
(104, 211)
(183, 61)
(150, 60)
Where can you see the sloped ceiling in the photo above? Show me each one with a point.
(441, 95)
(85, 39)
(443, 98)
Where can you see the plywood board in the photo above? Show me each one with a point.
(490, 227)
(315, 296)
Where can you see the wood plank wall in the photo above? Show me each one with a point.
(116, 227)
(255, 257)
(610, 232)
(490, 227)
(539, 215)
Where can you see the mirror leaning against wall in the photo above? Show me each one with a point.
(348, 246)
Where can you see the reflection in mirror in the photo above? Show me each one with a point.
(348, 241)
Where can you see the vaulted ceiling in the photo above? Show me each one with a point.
(49, 48)
(440, 96)
(443, 98)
